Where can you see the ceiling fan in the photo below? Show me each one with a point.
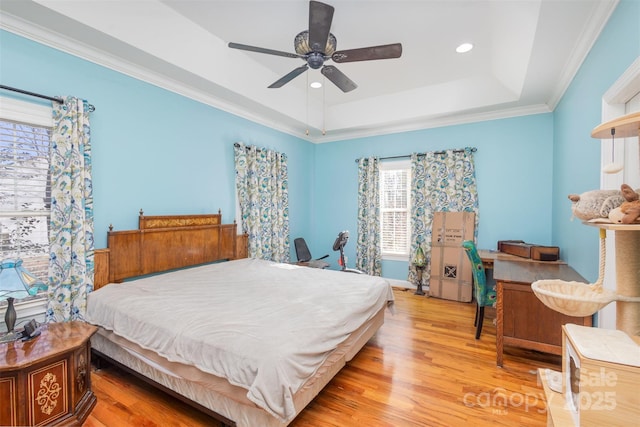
(317, 45)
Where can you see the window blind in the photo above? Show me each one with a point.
(394, 210)
(25, 194)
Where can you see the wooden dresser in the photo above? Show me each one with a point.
(522, 319)
(47, 380)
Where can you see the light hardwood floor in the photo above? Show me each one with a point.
(423, 368)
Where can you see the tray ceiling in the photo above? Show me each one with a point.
(524, 57)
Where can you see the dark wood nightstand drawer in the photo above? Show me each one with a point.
(47, 381)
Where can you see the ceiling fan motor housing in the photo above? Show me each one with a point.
(301, 44)
(315, 60)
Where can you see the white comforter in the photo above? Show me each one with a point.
(264, 326)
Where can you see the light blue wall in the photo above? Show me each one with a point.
(526, 166)
(153, 149)
(167, 154)
(577, 155)
(513, 171)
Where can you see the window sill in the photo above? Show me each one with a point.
(389, 257)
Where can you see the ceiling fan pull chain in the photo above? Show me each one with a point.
(324, 105)
(307, 93)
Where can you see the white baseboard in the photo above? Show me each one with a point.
(405, 284)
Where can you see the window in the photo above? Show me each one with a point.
(25, 194)
(395, 209)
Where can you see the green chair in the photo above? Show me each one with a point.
(484, 295)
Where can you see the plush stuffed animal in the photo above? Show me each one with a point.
(631, 208)
(595, 203)
(615, 216)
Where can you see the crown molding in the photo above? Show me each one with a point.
(67, 45)
(430, 123)
(70, 46)
(587, 39)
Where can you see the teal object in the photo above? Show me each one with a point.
(484, 295)
(15, 283)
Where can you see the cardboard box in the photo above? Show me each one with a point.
(452, 228)
(451, 276)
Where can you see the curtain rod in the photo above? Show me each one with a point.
(408, 156)
(37, 95)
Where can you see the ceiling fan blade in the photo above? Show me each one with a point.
(287, 78)
(263, 50)
(387, 51)
(338, 78)
(320, 17)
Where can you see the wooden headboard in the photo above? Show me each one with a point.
(167, 242)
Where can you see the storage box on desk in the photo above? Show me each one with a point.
(451, 275)
(528, 250)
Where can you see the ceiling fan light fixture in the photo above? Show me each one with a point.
(464, 48)
(315, 85)
(301, 44)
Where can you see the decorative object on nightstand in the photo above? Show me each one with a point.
(420, 262)
(15, 283)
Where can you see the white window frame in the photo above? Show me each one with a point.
(397, 165)
(26, 112)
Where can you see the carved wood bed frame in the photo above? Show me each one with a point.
(163, 243)
(167, 242)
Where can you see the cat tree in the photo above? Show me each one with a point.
(578, 299)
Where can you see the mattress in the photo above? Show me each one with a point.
(264, 329)
(217, 394)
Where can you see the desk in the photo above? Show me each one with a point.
(522, 319)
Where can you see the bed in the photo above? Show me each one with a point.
(248, 341)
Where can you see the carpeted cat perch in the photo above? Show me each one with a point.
(583, 299)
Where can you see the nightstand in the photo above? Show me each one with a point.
(47, 380)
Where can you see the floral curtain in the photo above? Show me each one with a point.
(443, 181)
(71, 243)
(262, 187)
(368, 250)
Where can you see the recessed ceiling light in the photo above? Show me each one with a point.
(316, 85)
(464, 47)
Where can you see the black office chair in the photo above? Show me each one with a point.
(304, 255)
